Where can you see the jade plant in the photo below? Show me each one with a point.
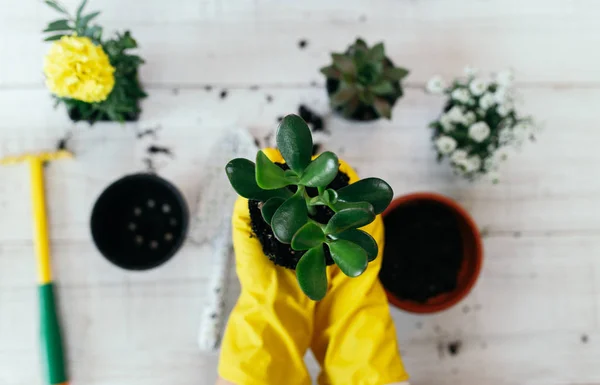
(363, 83)
(288, 209)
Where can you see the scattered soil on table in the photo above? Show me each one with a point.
(584, 338)
(223, 94)
(314, 120)
(208, 88)
(64, 141)
(254, 88)
(175, 91)
(147, 132)
(454, 347)
(302, 44)
(159, 150)
(269, 98)
(423, 251)
(282, 254)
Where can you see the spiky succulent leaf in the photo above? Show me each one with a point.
(364, 77)
(383, 107)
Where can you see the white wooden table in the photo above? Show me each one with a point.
(533, 317)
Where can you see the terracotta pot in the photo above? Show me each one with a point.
(471, 264)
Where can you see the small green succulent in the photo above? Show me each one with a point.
(363, 77)
(287, 207)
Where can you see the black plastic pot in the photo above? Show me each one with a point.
(365, 113)
(139, 222)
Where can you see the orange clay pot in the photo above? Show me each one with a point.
(471, 264)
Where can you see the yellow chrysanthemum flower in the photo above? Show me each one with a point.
(76, 68)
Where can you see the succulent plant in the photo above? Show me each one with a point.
(287, 208)
(363, 77)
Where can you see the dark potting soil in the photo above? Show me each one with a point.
(423, 251)
(365, 112)
(282, 254)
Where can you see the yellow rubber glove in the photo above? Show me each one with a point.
(273, 323)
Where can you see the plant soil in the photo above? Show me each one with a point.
(423, 251)
(365, 113)
(282, 254)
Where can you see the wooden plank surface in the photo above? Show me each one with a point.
(533, 317)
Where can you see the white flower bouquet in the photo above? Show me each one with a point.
(479, 125)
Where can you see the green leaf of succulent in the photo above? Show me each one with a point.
(373, 190)
(331, 72)
(343, 63)
(330, 196)
(310, 235)
(361, 57)
(269, 207)
(361, 238)
(344, 94)
(350, 258)
(351, 218)
(377, 52)
(54, 37)
(360, 43)
(350, 107)
(241, 174)
(58, 25)
(289, 218)
(366, 97)
(269, 176)
(383, 88)
(382, 107)
(56, 7)
(311, 273)
(342, 205)
(83, 21)
(295, 142)
(395, 73)
(80, 9)
(321, 171)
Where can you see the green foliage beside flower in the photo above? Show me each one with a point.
(367, 78)
(287, 207)
(479, 126)
(73, 74)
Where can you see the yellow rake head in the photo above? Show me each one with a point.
(41, 157)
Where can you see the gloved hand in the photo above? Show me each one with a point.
(273, 323)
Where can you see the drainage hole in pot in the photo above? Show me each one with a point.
(132, 226)
(166, 208)
(151, 203)
(137, 211)
(173, 222)
(168, 237)
(154, 245)
(139, 239)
